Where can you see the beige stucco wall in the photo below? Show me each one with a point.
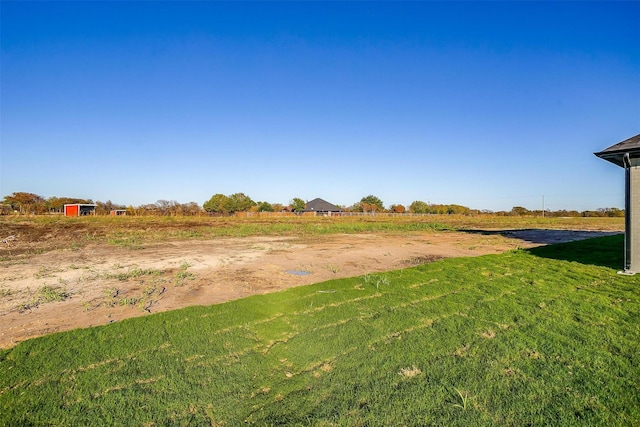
(635, 215)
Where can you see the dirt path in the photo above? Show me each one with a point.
(97, 284)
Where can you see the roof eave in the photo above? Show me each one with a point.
(616, 157)
(616, 152)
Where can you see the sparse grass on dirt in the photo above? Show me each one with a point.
(542, 337)
(182, 275)
(43, 295)
(143, 299)
(43, 233)
(136, 272)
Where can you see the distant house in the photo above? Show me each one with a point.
(322, 207)
(118, 212)
(79, 209)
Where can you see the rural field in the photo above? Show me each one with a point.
(435, 320)
(61, 273)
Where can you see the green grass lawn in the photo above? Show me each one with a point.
(549, 336)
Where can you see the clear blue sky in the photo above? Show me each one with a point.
(488, 105)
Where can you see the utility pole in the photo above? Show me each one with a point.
(543, 206)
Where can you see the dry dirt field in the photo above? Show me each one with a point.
(62, 287)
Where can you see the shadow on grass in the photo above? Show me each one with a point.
(601, 251)
(545, 236)
(601, 248)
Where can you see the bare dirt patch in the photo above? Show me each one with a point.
(102, 283)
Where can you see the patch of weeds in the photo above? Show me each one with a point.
(183, 275)
(149, 290)
(26, 306)
(333, 268)
(44, 295)
(128, 301)
(5, 292)
(189, 234)
(50, 293)
(463, 397)
(136, 272)
(42, 273)
(125, 241)
(130, 240)
(375, 280)
(110, 296)
(146, 300)
(90, 237)
(143, 302)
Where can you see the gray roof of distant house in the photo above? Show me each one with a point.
(616, 152)
(319, 205)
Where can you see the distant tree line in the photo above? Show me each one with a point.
(602, 212)
(220, 204)
(165, 208)
(421, 207)
(237, 202)
(33, 204)
(29, 203)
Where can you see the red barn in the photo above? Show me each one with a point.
(79, 209)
